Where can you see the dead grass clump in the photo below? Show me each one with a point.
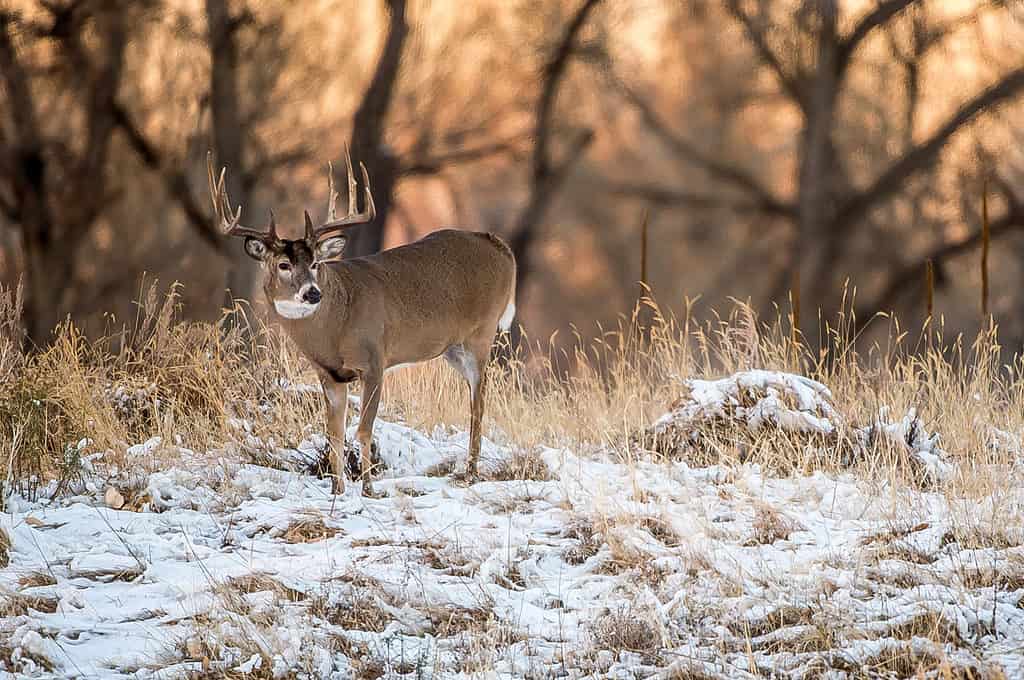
(898, 660)
(901, 551)
(37, 579)
(522, 464)
(357, 608)
(14, 661)
(42, 429)
(1008, 576)
(796, 639)
(660, 529)
(930, 625)
(5, 548)
(478, 650)
(626, 629)
(588, 543)
(770, 525)
(894, 532)
(308, 529)
(20, 604)
(625, 555)
(366, 666)
(901, 577)
(219, 658)
(682, 671)
(447, 558)
(452, 620)
(260, 582)
(979, 537)
(776, 619)
(195, 384)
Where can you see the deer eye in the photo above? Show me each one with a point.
(285, 266)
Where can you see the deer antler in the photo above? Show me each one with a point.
(332, 223)
(228, 218)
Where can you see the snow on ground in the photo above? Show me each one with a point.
(607, 568)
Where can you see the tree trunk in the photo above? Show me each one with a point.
(814, 254)
(367, 143)
(228, 134)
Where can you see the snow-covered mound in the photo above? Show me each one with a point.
(750, 401)
(750, 405)
(598, 567)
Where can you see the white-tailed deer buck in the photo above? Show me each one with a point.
(446, 294)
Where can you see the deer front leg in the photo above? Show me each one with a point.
(337, 419)
(372, 382)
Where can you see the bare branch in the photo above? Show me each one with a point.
(546, 176)
(175, 181)
(912, 273)
(738, 177)
(920, 156)
(264, 165)
(883, 12)
(552, 77)
(666, 196)
(540, 197)
(428, 165)
(756, 33)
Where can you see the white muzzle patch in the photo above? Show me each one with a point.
(295, 309)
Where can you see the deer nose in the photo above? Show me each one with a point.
(312, 295)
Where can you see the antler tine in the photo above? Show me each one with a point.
(332, 195)
(371, 208)
(351, 184)
(332, 223)
(229, 219)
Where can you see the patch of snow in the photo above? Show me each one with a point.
(214, 573)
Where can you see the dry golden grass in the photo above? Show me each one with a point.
(5, 548)
(308, 528)
(626, 629)
(217, 387)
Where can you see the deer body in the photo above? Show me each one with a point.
(442, 295)
(446, 294)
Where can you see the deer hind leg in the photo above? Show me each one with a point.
(471, 362)
(336, 394)
(372, 381)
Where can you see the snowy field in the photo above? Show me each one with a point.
(557, 563)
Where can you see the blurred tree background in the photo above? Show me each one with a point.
(776, 145)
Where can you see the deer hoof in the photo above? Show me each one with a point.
(337, 486)
(370, 492)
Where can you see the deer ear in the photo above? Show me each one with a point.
(255, 248)
(331, 248)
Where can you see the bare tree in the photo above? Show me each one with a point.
(234, 113)
(228, 125)
(55, 190)
(368, 126)
(547, 175)
(810, 58)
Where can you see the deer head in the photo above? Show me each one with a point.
(291, 267)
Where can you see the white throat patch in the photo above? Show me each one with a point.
(291, 309)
